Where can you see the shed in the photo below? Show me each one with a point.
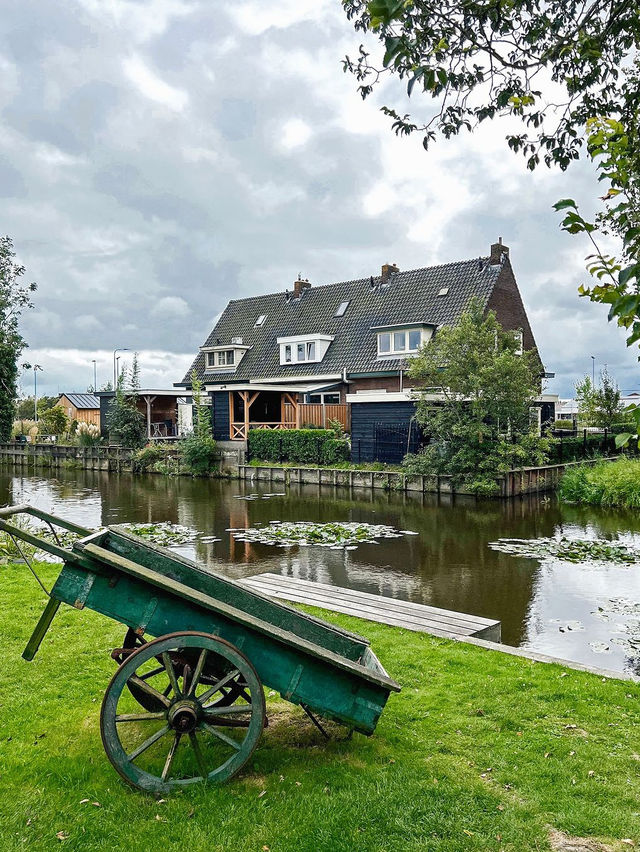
(81, 407)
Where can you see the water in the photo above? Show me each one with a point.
(554, 607)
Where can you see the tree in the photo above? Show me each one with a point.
(125, 423)
(53, 421)
(599, 405)
(614, 146)
(486, 58)
(198, 450)
(15, 297)
(25, 409)
(483, 427)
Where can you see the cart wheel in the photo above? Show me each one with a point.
(193, 737)
(227, 695)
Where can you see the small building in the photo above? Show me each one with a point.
(160, 408)
(81, 407)
(312, 355)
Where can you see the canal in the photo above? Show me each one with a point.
(582, 612)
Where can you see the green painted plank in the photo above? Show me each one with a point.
(236, 594)
(331, 686)
(159, 581)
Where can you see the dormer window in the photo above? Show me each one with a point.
(221, 358)
(304, 349)
(397, 342)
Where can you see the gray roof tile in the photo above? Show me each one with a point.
(408, 297)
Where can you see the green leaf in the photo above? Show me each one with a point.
(564, 203)
(623, 439)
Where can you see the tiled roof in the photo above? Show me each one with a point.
(83, 400)
(408, 297)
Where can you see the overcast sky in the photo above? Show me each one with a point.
(159, 157)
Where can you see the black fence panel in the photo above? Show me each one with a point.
(392, 441)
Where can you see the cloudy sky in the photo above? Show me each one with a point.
(158, 157)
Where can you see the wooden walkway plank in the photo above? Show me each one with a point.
(384, 610)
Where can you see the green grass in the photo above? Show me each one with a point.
(479, 751)
(603, 484)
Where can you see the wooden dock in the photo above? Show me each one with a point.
(398, 613)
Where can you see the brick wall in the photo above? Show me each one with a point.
(507, 303)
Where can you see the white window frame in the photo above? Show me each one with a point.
(399, 342)
(304, 349)
(323, 398)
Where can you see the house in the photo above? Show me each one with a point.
(341, 351)
(81, 407)
(166, 412)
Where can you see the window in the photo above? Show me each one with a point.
(415, 339)
(399, 342)
(260, 320)
(303, 349)
(399, 338)
(519, 341)
(342, 309)
(384, 342)
(326, 398)
(223, 358)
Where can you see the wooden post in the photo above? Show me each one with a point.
(231, 415)
(148, 400)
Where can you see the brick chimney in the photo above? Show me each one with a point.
(497, 252)
(299, 285)
(387, 271)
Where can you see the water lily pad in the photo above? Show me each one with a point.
(569, 550)
(335, 536)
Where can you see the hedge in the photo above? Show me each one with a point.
(575, 448)
(305, 446)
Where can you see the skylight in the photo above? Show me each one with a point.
(260, 320)
(443, 291)
(342, 309)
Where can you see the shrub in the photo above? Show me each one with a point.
(24, 427)
(578, 448)
(198, 450)
(564, 424)
(158, 457)
(305, 446)
(88, 434)
(603, 484)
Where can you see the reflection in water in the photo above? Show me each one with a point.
(449, 564)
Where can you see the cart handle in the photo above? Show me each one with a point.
(26, 509)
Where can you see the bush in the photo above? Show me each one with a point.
(88, 434)
(564, 424)
(198, 450)
(305, 446)
(577, 448)
(603, 484)
(158, 457)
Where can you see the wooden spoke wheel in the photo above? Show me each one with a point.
(227, 695)
(202, 720)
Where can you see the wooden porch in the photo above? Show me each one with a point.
(292, 413)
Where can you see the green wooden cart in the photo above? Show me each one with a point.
(188, 706)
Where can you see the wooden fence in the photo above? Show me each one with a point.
(317, 414)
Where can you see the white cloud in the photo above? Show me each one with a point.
(153, 87)
(142, 20)
(171, 306)
(256, 16)
(295, 132)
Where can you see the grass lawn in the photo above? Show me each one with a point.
(479, 751)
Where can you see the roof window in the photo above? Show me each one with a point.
(443, 291)
(260, 320)
(342, 309)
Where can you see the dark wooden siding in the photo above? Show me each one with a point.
(369, 420)
(220, 415)
(105, 402)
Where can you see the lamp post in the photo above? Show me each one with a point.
(115, 376)
(95, 375)
(593, 369)
(36, 367)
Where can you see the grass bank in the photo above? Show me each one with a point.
(604, 484)
(479, 751)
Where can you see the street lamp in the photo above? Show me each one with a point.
(36, 367)
(115, 377)
(95, 375)
(593, 369)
